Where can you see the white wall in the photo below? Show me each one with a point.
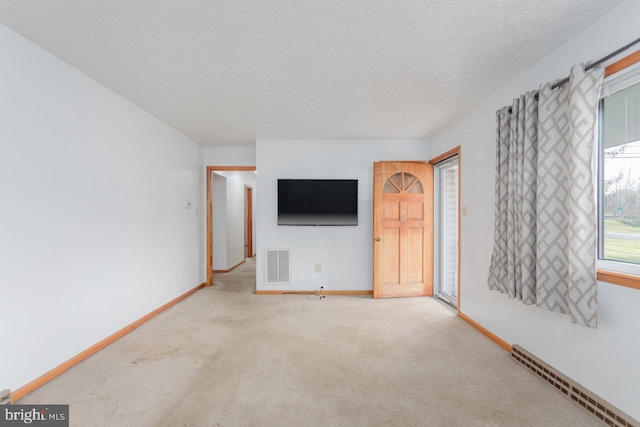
(94, 230)
(229, 156)
(346, 253)
(219, 214)
(605, 359)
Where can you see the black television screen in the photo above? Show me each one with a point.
(317, 202)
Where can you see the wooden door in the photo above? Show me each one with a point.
(403, 229)
(248, 221)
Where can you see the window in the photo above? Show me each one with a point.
(619, 173)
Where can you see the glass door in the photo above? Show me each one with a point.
(446, 232)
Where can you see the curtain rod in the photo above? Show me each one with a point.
(598, 62)
(592, 65)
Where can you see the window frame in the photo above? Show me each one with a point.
(614, 272)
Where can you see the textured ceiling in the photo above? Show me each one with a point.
(229, 72)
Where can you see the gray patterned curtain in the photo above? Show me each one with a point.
(545, 216)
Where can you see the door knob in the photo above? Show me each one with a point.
(377, 239)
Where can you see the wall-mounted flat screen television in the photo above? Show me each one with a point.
(317, 202)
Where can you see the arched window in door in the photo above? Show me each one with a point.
(403, 182)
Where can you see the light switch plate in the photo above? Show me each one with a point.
(187, 204)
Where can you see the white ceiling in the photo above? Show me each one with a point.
(229, 72)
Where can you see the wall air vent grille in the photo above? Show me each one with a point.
(278, 267)
(589, 401)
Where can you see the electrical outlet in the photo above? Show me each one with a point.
(464, 211)
(187, 204)
(318, 268)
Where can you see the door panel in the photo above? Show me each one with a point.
(391, 211)
(415, 212)
(403, 229)
(391, 248)
(415, 255)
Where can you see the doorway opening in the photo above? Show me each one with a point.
(230, 216)
(446, 179)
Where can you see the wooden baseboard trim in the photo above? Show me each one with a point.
(232, 268)
(493, 337)
(323, 292)
(28, 388)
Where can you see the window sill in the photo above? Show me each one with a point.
(621, 279)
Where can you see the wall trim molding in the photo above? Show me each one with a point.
(232, 268)
(322, 292)
(623, 63)
(446, 155)
(493, 337)
(616, 278)
(48, 376)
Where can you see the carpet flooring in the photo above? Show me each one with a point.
(228, 357)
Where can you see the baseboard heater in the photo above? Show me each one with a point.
(588, 400)
(5, 397)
